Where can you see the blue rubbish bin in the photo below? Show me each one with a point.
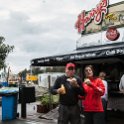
(9, 106)
(9, 103)
(5, 84)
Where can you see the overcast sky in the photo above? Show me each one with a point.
(39, 28)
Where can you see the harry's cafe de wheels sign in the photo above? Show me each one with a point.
(102, 18)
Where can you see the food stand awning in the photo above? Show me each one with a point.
(95, 53)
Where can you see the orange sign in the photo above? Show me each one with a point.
(31, 77)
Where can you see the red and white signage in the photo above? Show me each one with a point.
(95, 14)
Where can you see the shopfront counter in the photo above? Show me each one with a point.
(116, 100)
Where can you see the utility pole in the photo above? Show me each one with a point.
(50, 98)
(31, 72)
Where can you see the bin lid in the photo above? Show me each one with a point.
(6, 90)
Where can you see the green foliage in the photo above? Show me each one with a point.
(45, 99)
(37, 71)
(55, 69)
(23, 73)
(5, 49)
(55, 99)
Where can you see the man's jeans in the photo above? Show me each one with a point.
(69, 114)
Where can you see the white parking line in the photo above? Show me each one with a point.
(33, 122)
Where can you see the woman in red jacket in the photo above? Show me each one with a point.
(94, 89)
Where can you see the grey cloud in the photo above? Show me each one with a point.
(52, 33)
(18, 24)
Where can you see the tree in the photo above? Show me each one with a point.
(37, 70)
(23, 73)
(5, 49)
(55, 69)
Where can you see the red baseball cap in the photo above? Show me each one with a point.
(68, 65)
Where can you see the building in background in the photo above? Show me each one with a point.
(101, 44)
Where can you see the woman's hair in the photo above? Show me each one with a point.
(102, 74)
(89, 66)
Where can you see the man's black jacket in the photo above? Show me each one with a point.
(72, 93)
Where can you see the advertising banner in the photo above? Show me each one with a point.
(100, 18)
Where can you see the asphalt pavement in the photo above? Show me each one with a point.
(114, 117)
(31, 114)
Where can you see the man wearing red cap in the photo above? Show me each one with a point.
(69, 87)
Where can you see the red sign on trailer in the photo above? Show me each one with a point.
(95, 14)
(112, 34)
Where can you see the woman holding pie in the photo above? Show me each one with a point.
(94, 89)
